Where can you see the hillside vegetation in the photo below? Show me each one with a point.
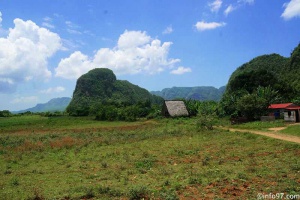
(264, 80)
(201, 93)
(98, 92)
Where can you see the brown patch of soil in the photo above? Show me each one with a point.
(277, 129)
(222, 189)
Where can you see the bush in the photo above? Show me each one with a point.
(168, 195)
(139, 192)
(205, 122)
(5, 113)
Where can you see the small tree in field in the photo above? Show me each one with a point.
(207, 114)
(5, 113)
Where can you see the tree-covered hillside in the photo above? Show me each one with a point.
(264, 80)
(202, 93)
(99, 90)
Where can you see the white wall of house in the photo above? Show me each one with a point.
(290, 116)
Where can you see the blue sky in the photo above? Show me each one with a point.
(45, 45)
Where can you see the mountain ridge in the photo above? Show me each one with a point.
(55, 104)
(202, 93)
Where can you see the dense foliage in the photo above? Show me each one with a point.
(264, 80)
(123, 112)
(5, 113)
(99, 93)
(202, 93)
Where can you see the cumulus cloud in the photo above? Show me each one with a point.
(53, 90)
(215, 6)
(181, 70)
(74, 66)
(136, 52)
(133, 39)
(0, 19)
(203, 26)
(292, 9)
(168, 30)
(24, 53)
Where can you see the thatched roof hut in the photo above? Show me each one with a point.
(174, 109)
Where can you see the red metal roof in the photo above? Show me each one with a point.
(281, 105)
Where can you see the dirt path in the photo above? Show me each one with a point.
(273, 134)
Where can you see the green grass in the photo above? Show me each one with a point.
(165, 159)
(259, 125)
(40, 123)
(292, 130)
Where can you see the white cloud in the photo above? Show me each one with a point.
(203, 26)
(47, 22)
(73, 31)
(246, 1)
(136, 52)
(73, 66)
(24, 53)
(168, 30)
(133, 39)
(215, 6)
(181, 70)
(235, 6)
(229, 9)
(3, 32)
(71, 24)
(7, 80)
(48, 25)
(53, 90)
(29, 99)
(73, 28)
(292, 9)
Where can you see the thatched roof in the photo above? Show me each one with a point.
(175, 109)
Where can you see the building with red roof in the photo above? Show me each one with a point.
(290, 111)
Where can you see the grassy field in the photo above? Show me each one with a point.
(80, 158)
(259, 125)
(292, 130)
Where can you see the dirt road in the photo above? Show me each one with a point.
(273, 134)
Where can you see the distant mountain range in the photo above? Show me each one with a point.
(202, 93)
(198, 93)
(56, 104)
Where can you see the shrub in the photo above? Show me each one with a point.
(5, 113)
(15, 181)
(89, 193)
(138, 192)
(168, 195)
